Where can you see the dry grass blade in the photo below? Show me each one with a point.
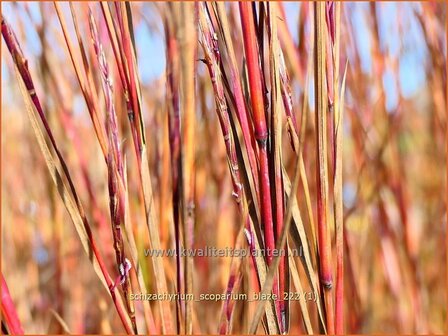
(338, 209)
(86, 85)
(325, 269)
(61, 177)
(154, 237)
(76, 214)
(300, 238)
(276, 139)
(294, 136)
(338, 205)
(61, 321)
(187, 46)
(298, 231)
(299, 288)
(130, 239)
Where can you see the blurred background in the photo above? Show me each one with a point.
(394, 165)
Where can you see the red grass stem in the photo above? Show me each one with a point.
(9, 311)
(261, 132)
